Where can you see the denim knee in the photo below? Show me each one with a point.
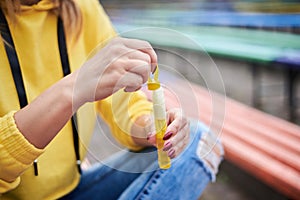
(205, 147)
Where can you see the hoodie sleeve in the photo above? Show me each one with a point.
(16, 153)
(120, 112)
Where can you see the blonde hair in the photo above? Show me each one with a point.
(68, 10)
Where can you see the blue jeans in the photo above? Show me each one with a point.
(130, 175)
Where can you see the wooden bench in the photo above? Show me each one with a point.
(263, 145)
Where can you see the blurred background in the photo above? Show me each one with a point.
(258, 40)
(255, 45)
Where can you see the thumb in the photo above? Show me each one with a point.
(151, 138)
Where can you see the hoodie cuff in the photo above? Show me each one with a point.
(15, 144)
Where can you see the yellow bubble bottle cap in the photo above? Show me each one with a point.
(153, 82)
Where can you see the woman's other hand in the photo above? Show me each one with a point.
(177, 134)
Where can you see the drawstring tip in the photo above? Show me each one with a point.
(78, 162)
(35, 166)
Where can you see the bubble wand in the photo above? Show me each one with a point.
(159, 111)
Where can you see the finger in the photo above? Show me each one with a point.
(176, 122)
(132, 89)
(175, 150)
(139, 55)
(131, 82)
(136, 73)
(140, 68)
(151, 138)
(144, 47)
(176, 139)
(149, 126)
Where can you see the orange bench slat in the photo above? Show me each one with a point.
(263, 167)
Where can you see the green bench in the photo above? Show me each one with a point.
(259, 48)
(236, 43)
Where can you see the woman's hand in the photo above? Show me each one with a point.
(122, 63)
(177, 134)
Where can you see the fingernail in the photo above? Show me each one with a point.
(167, 146)
(150, 135)
(138, 88)
(171, 153)
(167, 136)
(155, 67)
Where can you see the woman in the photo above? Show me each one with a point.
(51, 87)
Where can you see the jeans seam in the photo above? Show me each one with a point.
(149, 183)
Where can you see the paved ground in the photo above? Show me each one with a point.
(234, 184)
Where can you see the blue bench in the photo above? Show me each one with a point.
(211, 18)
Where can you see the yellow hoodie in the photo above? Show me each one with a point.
(35, 39)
